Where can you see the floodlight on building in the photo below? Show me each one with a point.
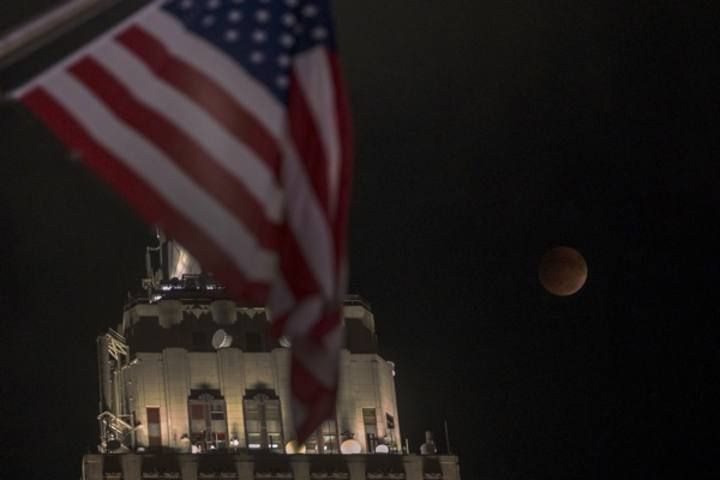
(221, 339)
(284, 342)
(428, 448)
(234, 442)
(293, 447)
(350, 446)
(382, 448)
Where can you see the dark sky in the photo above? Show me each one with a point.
(486, 131)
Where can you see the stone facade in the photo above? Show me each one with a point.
(194, 387)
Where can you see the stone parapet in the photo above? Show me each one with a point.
(266, 465)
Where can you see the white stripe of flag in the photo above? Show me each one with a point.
(286, 198)
(151, 165)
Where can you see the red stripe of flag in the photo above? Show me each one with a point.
(344, 127)
(298, 275)
(306, 138)
(179, 148)
(318, 401)
(204, 91)
(331, 319)
(325, 324)
(152, 206)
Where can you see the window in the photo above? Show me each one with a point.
(329, 437)
(324, 439)
(208, 424)
(153, 427)
(263, 421)
(370, 423)
(390, 421)
(390, 424)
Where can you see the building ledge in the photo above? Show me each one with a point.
(270, 466)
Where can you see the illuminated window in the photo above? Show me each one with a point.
(263, 421)
(370, 423)
(390, 424)
(208, 424)
(153, 427)
(390, 421)
(329, 437)
(324, 439)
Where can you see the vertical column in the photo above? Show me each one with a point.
(93, 467)
(413, 467)
(232, 384)
(450, 467)
(395, 411)
(347, 413)
(300, 465)
(104, 370)
(173, 378)
(188, 466)
(281, 358)
(245, 467)
(376, 379)
(386, 399)
(131, 466)
(356, 466)
(177, 388)
(149, 391)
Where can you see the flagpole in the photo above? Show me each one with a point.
(29, 37)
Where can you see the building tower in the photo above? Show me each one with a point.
(193, 387)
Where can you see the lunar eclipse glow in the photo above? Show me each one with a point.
(563, 271)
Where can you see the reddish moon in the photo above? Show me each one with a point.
(562, 271)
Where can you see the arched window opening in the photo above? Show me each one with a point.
(208, 420)
(324, 439)
(263, 421)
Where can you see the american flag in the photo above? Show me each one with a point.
(225, 123)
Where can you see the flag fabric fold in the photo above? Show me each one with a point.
(225, 122)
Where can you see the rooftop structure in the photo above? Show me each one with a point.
(193, 386)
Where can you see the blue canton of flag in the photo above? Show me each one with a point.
(261, 35)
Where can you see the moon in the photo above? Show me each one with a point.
(562, 271)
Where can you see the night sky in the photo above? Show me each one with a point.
(486, 132)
